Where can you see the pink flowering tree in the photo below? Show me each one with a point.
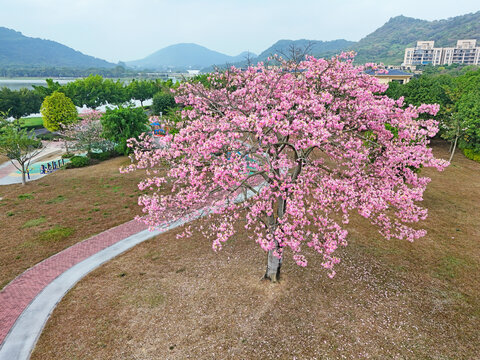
(86, 134)
(307, 144)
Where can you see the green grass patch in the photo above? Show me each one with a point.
(449, 267)
(56, 200)
(26, 196)
(34, 222)
(56, 233)
(31, 123)
(154, 300)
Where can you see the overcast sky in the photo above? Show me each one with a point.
(132, 29)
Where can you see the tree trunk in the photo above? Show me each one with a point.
(24, 180)
(455, 143)
(274, 263)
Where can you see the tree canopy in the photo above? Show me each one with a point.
(58, 111)
(296, 149)
(458, 98)
(123, 123)
(19, 103)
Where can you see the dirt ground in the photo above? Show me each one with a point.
(61, 209)
(177, 299)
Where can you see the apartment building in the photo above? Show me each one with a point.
(466, 52)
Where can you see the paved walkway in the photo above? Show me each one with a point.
(27, 301)
(8, 172)
(17, 295)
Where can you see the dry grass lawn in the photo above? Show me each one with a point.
(61, 209)
(3, 159)
(177, 299)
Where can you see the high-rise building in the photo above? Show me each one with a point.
(466, 52)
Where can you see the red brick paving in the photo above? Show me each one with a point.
(17, 295)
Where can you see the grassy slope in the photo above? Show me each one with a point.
(390, 299)
(79, 202)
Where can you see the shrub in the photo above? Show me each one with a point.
(78, 161)
(102, 156)
(58, 111)
(471, 154)
(47, 136)
(68, 155)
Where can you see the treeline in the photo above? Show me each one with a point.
(92, 92)
(459, 100)
(47, 71)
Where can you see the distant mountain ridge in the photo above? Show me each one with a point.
(19, 50)
(185, 56)
(386, 44)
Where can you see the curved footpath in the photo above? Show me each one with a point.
(27, 302)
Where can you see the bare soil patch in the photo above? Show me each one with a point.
(61, 209)
(177, 299)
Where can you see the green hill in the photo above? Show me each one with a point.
(387, 44)
(22, 51)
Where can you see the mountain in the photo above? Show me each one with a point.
(316, 47)
(19, 50)
(185, 56)
(387, 44)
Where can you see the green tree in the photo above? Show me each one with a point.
(58, 113)
(45, 91)
(89, 91)
(141, 90)
(462, 126)
(468, 110)
(19, 103)
(162, 102)
(123, 123)
(19, 146)
(115, 92)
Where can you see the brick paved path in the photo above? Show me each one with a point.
(17, 295)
